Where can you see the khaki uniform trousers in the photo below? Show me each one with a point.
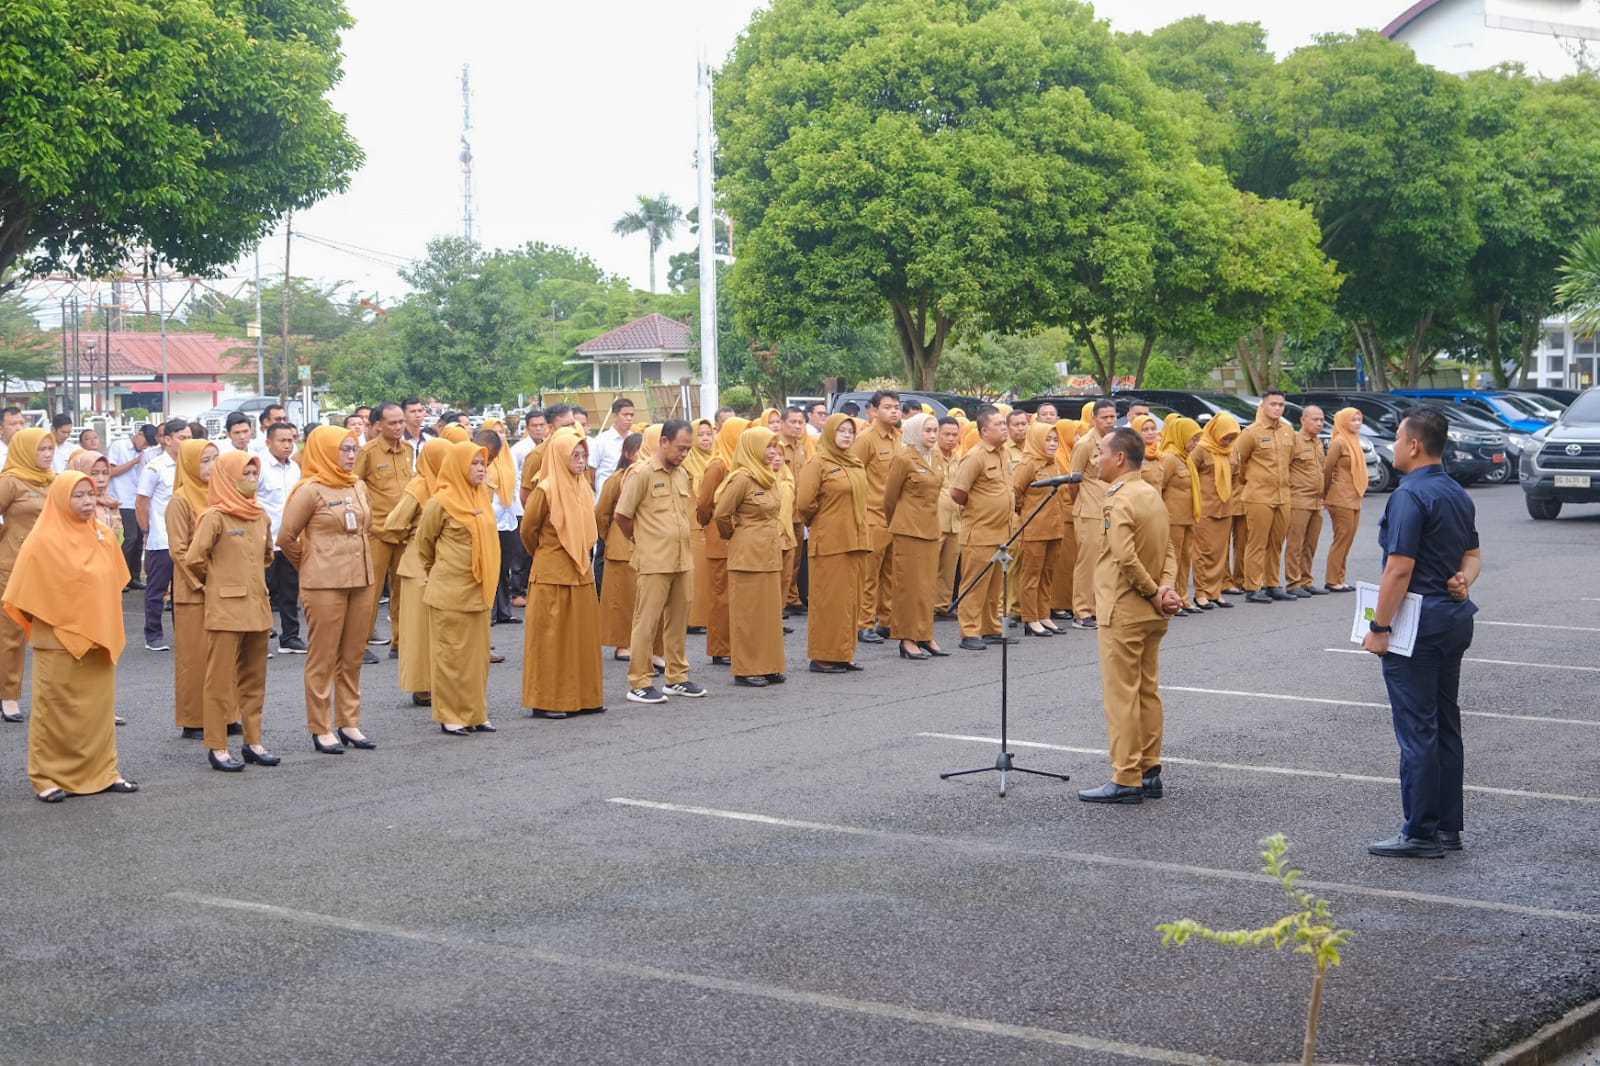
(877, 591)
(1089, 532)
(1066, 570)
(791, 573)
(1267, 525)
(1183, 551)
(235, 683)
(190, 667)
(1130, 677)
(1345, 522)
(385, 560)
(1211, 556)
(337, 626)
(1305, 527)
(13, 652)
(661, 615)
(1236, 571)
(980, 611)
(1036, 578)
(719, 637)
(949, 556)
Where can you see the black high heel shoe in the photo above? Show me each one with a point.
(918, 657)
(351, 742)
(329, 749)
(229, 765)
(263, 758)
(937, 653)
(464, 731)
(1028, 631)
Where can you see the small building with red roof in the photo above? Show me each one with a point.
(654, 348)
(201, 369)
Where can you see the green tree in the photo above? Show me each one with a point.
(976, 166)
(27, 353)
(320, 313)
(991, 366)
(1579, 289)
(189, 127)
(656, 218)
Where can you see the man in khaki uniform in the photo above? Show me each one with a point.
(1087, 519)
(386, 466)
(1305, 504)
(1266, 448)
(982, 489)
(949, 518)
(1134, 596)
(653, 512)
(876, 446)
(792, 439)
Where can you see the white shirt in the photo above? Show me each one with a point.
(125, 486)
(604, 452)
(519, 455)
(272, 491)
(156, 483)
(813, 430)
(64, 454)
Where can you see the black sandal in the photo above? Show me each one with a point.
(53, 795)
(123, 786)
(13, 718)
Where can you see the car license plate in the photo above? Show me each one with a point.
(1572, 481)
(1499, 457)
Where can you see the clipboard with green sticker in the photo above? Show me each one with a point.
(1404, 638)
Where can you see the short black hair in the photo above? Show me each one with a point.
(949, 420)
(84, 433)
(60, 420)
(488, 438)
(877, 398)
(672, 427)
(814, 404)
(353, 414)
(276, 426)
(794, 409)
(724, 411)
(171, 426)
(1130, 444)
(7, 411)
(556, 410)
(621, 403)
(409, 401)
(1047, 403)
(1429, 425)
(444, 419)
(383, 409)
(146, 430)
(1101, 404)
(1274, 392)
(850, 408)
(235, 419)
(631, 445)
(266, 413)
(1014, 414)
(365, 412)
(197, 431)
(985, 416)
(533, 412)
(576, 410)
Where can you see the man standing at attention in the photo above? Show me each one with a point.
(412, 410)
(1087, 518)
(126, 459)
(1305, 505)
(982, 489)
(279, 475)
(876, 446)
(386, 466)
(150, 511)
(61, 430)
(1134, 596)
(1266, 448)
(606, 448)
(1430, 547)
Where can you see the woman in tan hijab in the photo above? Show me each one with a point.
(911, 492)
(65, 596)
(458, 547)
(561, 673)
(416, 634)
(718, 637)
(1344, 481)
(1153, 472)
(700, 455)
(749, 516)
(616, 595)
(1041, 540)
(1067, 431)
(24, 482)
(189, 501)
(1216, 468)
(324, 534)
(107, 508)
(831, 498)
(1182, 497)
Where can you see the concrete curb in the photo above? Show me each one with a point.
(1561, 1036)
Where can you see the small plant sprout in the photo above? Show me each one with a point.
(1310, 930)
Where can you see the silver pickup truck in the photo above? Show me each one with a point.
(1561, 463)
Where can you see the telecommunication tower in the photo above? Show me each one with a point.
(466, 152)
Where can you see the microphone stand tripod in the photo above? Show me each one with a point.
(1003, 763)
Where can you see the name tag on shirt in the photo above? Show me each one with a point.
(235, 532)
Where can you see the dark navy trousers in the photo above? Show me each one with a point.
(1427, 720)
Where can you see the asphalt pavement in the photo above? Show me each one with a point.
(781, 876)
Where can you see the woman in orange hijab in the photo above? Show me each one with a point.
(1041, 540)
(1067, 432)
(24, 481)
(831, 498)
(1181, 494)
(561, 669)
(1153, 472)
(719, 644)
(189, 500)
(1344, 481)
(324, 534)
(65, 596)
(416, 635)
(229, 552)
(458, 548)
(1216, 468)
(107, 508)
(701, 452)
(749, 516)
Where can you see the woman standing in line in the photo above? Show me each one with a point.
(416, 636)
(458, 548)
(65, 597)
(1215, 467)
(1182, 497)
(107, 508)
(189, 501)
(1344, 481)
(912, 490)
(700, 456)
(324, 534)
(831, 498)
(616, 595)
(24, 483)
(718, 640)
(1041, 540)
(748, 515)
(561, 674)
(503, 487)
(229, 552)
(1154, 472)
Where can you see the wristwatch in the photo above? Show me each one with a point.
(1376, 628)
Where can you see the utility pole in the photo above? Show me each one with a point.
(466, 152)
(288, 245)
(709, 392)
(261, 354)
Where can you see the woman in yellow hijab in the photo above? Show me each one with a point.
(1153, 471)
(701, 452)
(1344, 480)
(458, 548)
(561, 668)
(23, 484)
(748, 514)
(416, 634)
(66, 600)
(1215, 468)
(189, 501)
(1041, 541)
(912, 492)
(1067, 433)
(718, 635)
(831, 498)
(1181, 494)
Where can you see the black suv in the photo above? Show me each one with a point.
(910, 400)
(1562, 462)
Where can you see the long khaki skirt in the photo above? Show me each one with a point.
(915, 570)
(835, 603)
(616, 604)
(755, 602)
(700, 603)
(416, 637)
(561, 651)
(460, 665)
(72, 733)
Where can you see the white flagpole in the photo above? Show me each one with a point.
(708, 247)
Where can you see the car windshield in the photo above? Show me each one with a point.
(1546, 407)
(1585, 410)
(1516, 407)
(1243, 410)
(1471, 420)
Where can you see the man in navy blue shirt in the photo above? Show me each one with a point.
(1430, 547)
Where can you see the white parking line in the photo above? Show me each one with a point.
(978, 845)
(1284, 771)
(1540, 625)
(1489, 662)
(1379, 706)
(892, 1012)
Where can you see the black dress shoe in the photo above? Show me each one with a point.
(367, 658)
(1152, 783)
(1404, 847)
(394, 653)
(229, 765)
(1223, 604)
(996, 638)
(422, 699)
(869, 636)
(1111, 792)
(1258, 596)
(262, 758)
(12, 718)
(1206, 606)
(777, 679)
(508, 620)
(854, 668)
(189, 732)
(721, 660)
(554, 716)
(974, 644)
(797, 608)
(883, 631)
(487, 727)
(937, 653)
(1061, 616)
(919, 656)
(827, 668)
(696, 630)
(236, 729)
(1450, 841)
(351, 742)
(752, 680)
(1315, 591)
(135, 586)
(1300, 594)
(464, 731)
(329, 749)
(787, 631)
(1277, 593)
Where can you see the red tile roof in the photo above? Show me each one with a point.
(652, 333)
(1408, 16)
(188, 354)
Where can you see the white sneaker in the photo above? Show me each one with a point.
(686, 689)
(646, 695)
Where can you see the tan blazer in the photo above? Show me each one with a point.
(20, 504)
(1048, 525)
(180, 529)
(230, 556)
(385, 472)
(876, 447)
(551, 563)
(1337, 488)
(912, 495)
(1264, 456)
(747, 517)
(328, 548)
(823, 499)
(1136, 556)
(402, 523)
(619, 549)
(444, 550)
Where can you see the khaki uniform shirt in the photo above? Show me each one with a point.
(986, 519)
(1305, 472)
(229, 556)
(912, 494)
(551, 563)
(1212, 505)
(1265, 452)
(619, 549)
(1136, 557)
(1046, 525)
(949, 513)
(1091, 490)
(180, 529)
(747, 517)
(1176, 491)
(324, 534)
(444, 550)
(386, 472)
(402, 521)
(824, 499)
(876, 447)
(1337, 488)
(20, 504)
(657, 499)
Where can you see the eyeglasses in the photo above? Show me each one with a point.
(349, 449)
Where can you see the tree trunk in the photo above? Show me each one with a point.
(1106, 364)
(1144, 360)
(1491, 340)
(1414, 349)
(1376, 363)
(1308, 1054)
(919, 353)
(1246, 355)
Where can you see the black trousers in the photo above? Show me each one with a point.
(132, 542)
(1427, 721)
(510, 543)
(283, 589)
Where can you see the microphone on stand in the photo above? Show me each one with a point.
(1052, 482)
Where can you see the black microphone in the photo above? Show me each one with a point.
(1052, 482)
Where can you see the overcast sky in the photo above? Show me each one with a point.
(577, 108)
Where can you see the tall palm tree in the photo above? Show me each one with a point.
(1579, 290)
(656, 218)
